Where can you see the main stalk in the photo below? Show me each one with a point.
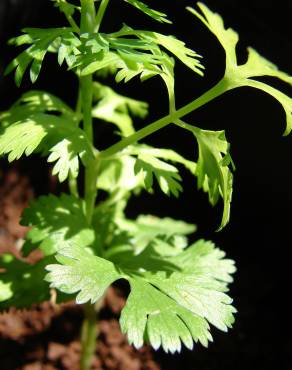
(89, 327)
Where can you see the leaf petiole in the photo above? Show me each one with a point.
(101, 10)
(220, 88)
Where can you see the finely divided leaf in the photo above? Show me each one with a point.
(65, 7)
(162, 153)
(227, 37)
(117, 109)
(66, 154)
(147, 228)
(212, 169)
(24, 138)
(178, 49)
(158, 16)
(133, 53)
(166, 175)
(123, 173)
(167, 305)
(153, 41)
(255, 66)
(37, 131)
(41, 41)
(118, 174)
(36, 101)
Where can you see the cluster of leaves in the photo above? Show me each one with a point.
(177, 289)
(41, 122)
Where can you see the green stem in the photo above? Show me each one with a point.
(87, 16)
(88, 336)
(91, 188)
(86, 93)
(72, 23)
(73, 186)
(100, 14)
(221, 87)
(86, 102)
(89, 328)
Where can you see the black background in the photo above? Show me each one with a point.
(258, 236)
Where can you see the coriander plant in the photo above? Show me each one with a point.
(86, 240)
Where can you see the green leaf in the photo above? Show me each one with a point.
(255, 66)
(46, 132)
(178, 49)
(167, 307)
(212, 169)
(22, 284)
(133, 53)
(77, 272)
(203, 269)
(24, 138)
(67, 153)
(158, 16)
(147, 228)
(124, 172)
(65, 7)
(228, 38)
(36, 101)
(151, 313)
(117, 109)
(153, 41)
(56, 222)
(100, 51)
(162, 153)
(166, 175)
(118, 174)
(41, 41)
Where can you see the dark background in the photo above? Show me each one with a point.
(258, 236)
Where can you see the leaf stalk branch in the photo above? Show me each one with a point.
(101, 10)
(220, 88)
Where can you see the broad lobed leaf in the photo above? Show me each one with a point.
(167, 305)
(56, 221)
(169, 282)
(22, 284)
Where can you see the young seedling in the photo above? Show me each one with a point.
(176, 289)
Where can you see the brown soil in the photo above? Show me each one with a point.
(46, 337)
